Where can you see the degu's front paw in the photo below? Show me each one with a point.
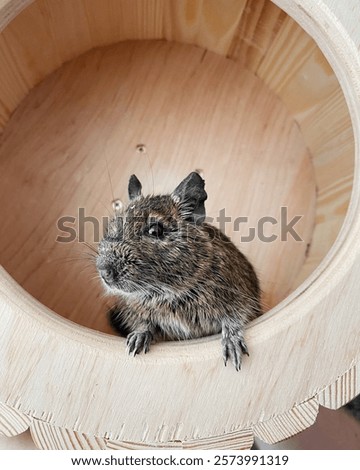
(138, 341)
(233, 346)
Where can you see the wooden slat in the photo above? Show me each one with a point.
(35, 55)
(257, 29)
(343, 390)
(12, 85)
(126, 19)
(210, 24)
(12, 421)
(289, 50)
(287, 424)
(236, 440)
(9, 10)
(68, 24)
(330, 115)
(50, 437)
(119, 445)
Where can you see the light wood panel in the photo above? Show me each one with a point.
(210, 24)
(324, 120)
(256, 31)
(191, 112)
(298, 349)
(257, 34)
(30, 57)
(118, 21)
(288, 60)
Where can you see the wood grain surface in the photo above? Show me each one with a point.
(256, 34)
(71, 146)
(251, 132)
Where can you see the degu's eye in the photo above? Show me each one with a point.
(156, 230)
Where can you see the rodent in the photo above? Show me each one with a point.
(174, 275)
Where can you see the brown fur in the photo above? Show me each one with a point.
(175, 276)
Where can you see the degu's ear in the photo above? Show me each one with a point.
(134, 188)
(190, 196)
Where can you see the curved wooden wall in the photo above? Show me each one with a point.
(306, 351)
(258, 34)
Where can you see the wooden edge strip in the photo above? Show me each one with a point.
(343, 390)
(278, 428)
(12, 421)
(288, 424)
(48, 437)
(237, 440)
(124, 445)
(10, 9)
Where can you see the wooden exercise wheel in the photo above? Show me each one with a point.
(263, 97)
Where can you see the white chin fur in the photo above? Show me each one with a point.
(117, 291)
(110, 290)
